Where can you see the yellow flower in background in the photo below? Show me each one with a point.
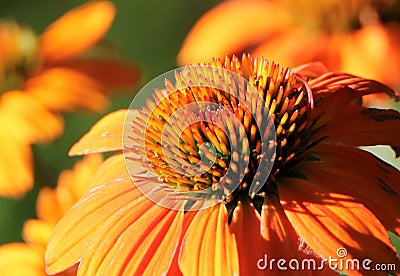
(42, 76)
(322, 189)
(28, 258)
(345, 36)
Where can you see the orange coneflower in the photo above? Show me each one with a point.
(349, 37)
(28, 258)
(41, 76)
(322, 192)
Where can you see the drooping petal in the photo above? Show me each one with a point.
(246, 227)
(284, 242)
(109, 73)
(82, 225)
(74, 231)
(105, 135)
(332, 81)
(311, 70)
(277, 230)
(371, 181)
(209, 246)
(21, 259)
(329, 221)
(174, 269)
(138, 239)
(264, 240)
(63, 89)
(221, 30)
(338, 120)
(369, 127)
(76, 31)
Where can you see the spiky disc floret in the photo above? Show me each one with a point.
(217, 142)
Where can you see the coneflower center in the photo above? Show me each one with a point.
(218, 143)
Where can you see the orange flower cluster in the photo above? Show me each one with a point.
(42, 76)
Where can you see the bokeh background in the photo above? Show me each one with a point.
(147, 33)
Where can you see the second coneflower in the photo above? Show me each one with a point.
(323, 194)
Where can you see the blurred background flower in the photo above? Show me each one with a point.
(358, 36)
(28, 258)
(41, 76)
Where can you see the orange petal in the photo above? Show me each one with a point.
(138, 239)
(63, 89)
(351, 124)
(230, 27)
(112, 168)
(369, 127)
(328, 221)
(270, 237)
(79, 226)
(35, 122)
(37, 232)
(105, 135)
(21, 259)
(284, 242)
(333, 81)
(109, 73)
(311, 70)
(246, 227)
(174, 269)
(16, 168)
(76, 31)
(47, 205)
(209, 246)
(372, 182)
(74, 231)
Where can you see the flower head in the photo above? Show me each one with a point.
(44, 75)
(322, 193)
(28, 258)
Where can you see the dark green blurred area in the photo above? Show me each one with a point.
(146, 33)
